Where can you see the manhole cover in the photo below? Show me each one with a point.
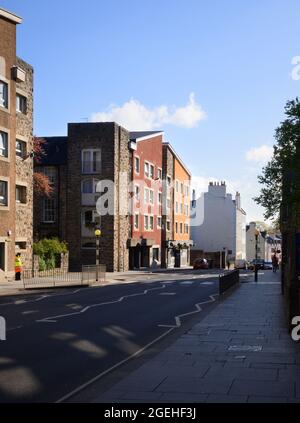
(250, 348)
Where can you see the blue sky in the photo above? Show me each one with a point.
(117, 58)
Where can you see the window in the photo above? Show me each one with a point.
(49, 210)
(91, 161)
(136, 221)
(146, 223)
(160, 198)
(3, 94)
(169, 181)
(146, 195)
(3, 193)
(20, 194)
(50, 172)
(89, 186)
(176, 207)
(20, 149)
(3, 144)
(151, 171)
(20, 245)
(159, 222)
(159, 174)
(151, 192)
(186, 228)
(137, 192)
(187, 210)
(146, 169)
(181, 228)
(90, 218)
(156, 254)
(181, 208)
(151, 223)
(137, 164)
(181, 188)
(177, 186)
(168, 225)
(91, 245)
(168, 203)
(21, 104)
(176, 227)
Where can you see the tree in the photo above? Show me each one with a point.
(284, 164)
(41, 183)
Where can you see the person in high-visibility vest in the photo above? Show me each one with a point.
(18, 267)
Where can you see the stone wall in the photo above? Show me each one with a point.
(8, 124)
(113, 143)
(24, 166)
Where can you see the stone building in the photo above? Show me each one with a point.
(76, 164)
(16, 146)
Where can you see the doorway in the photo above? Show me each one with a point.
(2, 256)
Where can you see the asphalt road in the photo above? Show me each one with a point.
(58, 341)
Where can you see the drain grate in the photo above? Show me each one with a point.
(248, 348)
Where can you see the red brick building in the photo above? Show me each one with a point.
(146, 220)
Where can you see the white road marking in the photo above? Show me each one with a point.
(198, 309)
(168, 293)
(187, 283)
(206, 283)
(52, 319)
(90, 382)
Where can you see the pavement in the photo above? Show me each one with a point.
(240, 352)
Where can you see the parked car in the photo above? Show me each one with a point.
(241, 264)
(201, 263)
(259, 262)
(268, 265)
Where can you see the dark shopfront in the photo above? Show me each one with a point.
(140, 253)
(178, 253)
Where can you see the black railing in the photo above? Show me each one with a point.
(228, 280)
(50, 278)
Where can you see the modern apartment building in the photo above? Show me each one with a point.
(178, 208)
(16, 146)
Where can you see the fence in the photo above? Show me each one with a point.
(228, 280)
(50, 278)
(93, 274)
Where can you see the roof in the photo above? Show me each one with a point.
(56, 149)
(167, 144)
(143, 135)
(10, 16)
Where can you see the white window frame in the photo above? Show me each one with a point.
(137, 195)
(136, 227)
(23, 149)
(152, 171)
(159, 225)
(151, 196)
(6, 197)
(146, 195)
(23, 194)
(139, 161)
(146, 219)
(168, 226)
(159, 173)
(147, 172)
(53, 199)
(5, 104)
(6, 135)
(21, 103)
(159, 198)
(91, 162)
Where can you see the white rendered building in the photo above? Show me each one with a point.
(218, 223)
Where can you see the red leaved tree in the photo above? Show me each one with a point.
(41, 183)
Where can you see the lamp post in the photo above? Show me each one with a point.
(256, 256)
(97, 235)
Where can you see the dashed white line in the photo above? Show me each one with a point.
(198, 309)
(52, 319)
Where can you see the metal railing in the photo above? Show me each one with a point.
(50, 278)
(228, 280)
(93, 273)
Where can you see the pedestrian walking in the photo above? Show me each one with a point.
(275, 263)
(18, 267)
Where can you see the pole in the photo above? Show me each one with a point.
(256, 257)
(97, 257)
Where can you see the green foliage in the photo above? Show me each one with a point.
(283, 169)
(48, 250)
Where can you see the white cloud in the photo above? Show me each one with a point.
(260, 154)
(133, 115)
